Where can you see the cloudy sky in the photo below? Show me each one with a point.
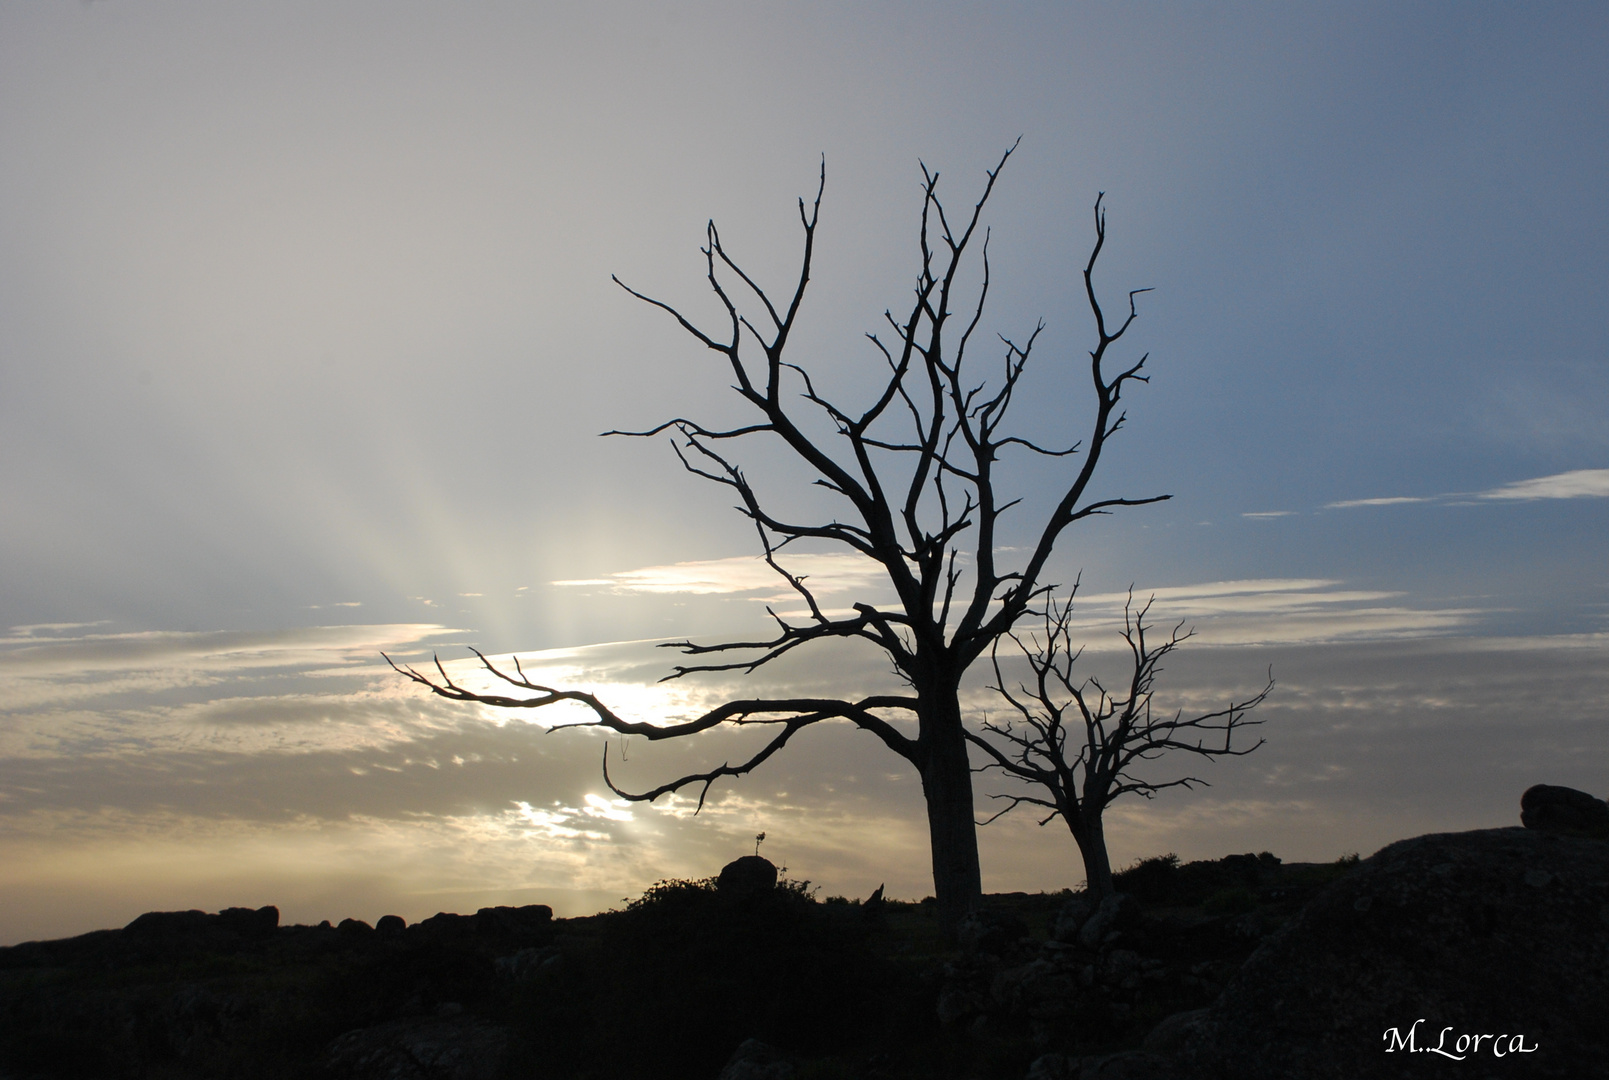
(307, 335)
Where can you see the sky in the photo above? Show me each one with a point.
(307, 336)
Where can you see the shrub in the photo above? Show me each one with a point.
(1154, 879)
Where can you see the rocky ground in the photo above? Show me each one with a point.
(1242, 967)
(668, 987)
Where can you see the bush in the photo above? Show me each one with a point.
(1154, 879)
(1233, 901)
(691, 972)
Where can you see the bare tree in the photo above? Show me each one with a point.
(915, 467)
(1077, 742)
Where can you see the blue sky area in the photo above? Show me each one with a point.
(307, 335)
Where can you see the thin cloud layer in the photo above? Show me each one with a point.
(376, 798)
(33, 656)
(824, 573)
(1267, 611)
(36, 670)
(1575, 484)
(159, 758)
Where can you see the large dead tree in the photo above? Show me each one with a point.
(915, 469)
(1078, 744)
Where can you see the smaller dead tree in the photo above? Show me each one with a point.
(1077, 742)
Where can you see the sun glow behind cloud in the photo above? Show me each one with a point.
(367, 797)
(147, 770)
(824, 574)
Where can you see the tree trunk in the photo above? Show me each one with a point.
(1091, 837)
(952, 830)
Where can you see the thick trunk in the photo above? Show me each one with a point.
(1091, 837)
(952, 830)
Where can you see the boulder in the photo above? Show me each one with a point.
(1071, 919)
(755, 1060)
(1438, 940)
(449, 1046)
(750, 874)
(443, 926)
(513, 921)
(199, 927)
(169, 923)
(1117, 913)
(250, 922)
(1549, 808)
(992, 933)
(1123, 1065)
(1174, 1031)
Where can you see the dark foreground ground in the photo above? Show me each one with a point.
(668, 988)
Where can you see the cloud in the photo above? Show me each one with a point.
(1269, 514)
(47, 630)
(222, 649)
(191, 749)
(395, 801)
(1575, 484)
(824, 573)
(1268, 611)
(1392, 500)
(39, 672)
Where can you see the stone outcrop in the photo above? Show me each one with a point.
(1502, 933)
(1100, 972)
(488, 922)
(1566, 811)
(236, 921)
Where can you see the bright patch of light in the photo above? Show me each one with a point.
(825, 573)
(610, 810)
